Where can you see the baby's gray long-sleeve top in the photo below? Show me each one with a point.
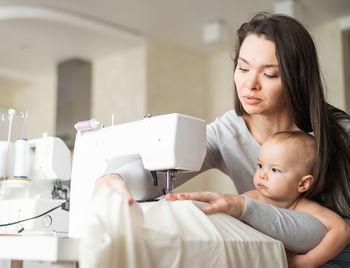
(232, 149)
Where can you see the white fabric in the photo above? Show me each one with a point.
(172, 234)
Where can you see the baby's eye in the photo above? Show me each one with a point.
(259, 165)
(275, 170)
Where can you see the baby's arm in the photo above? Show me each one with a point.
(333, 242)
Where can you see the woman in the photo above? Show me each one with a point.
(277, 88)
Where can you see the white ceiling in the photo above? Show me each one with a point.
(37, 34)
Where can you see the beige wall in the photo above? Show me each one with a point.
(40, 102)
(219, 74)
(6, 98)
(175, 79)
(119, 87)
(328, 39)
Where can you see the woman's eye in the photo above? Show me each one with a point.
(270, 75)
(259, 165)
(275, 170)
(243, 69)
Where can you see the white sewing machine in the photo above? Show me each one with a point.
(31, 180)
(172, 142)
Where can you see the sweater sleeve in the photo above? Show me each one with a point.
(298, 231)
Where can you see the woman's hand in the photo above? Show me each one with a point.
(227, 203)
(114, 182)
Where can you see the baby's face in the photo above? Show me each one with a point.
(279, 170)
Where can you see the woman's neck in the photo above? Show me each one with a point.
(262, 127)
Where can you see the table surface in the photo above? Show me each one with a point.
(39, 248)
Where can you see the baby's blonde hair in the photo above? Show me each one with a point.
(306, 144)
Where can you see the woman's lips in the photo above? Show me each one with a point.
(251, 100)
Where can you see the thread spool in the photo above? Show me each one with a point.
(6, 153)
(21, 167)
(3, 151)
(11, 113)
(87, 125)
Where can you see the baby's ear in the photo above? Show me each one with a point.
(305, 183)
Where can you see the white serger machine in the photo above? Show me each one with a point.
(34, 178)
(169, 143)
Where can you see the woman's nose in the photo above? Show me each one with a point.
(252, 82)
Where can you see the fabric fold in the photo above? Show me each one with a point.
(171, 234)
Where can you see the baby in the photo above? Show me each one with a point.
(284, 174)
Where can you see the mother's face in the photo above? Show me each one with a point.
(257, 77)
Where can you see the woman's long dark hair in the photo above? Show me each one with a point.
(301, 80)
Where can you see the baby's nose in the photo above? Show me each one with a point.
(264, 177)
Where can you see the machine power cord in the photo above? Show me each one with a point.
(64, 206)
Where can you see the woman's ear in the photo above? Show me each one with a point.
(305, 183)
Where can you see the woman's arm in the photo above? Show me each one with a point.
(298, 231)
(333, 242)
